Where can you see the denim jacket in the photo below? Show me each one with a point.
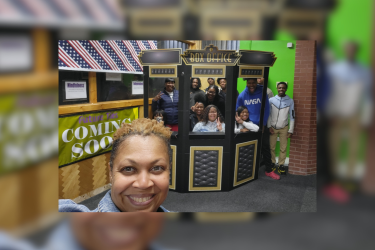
(105, 205)
(62, 238)
(208, 127)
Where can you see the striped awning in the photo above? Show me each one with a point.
(103, 55)
(88, 14)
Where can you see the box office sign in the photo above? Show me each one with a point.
(211, 55)
(86, 135)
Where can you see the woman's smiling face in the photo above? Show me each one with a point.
(199, 109)
(169, 86)
(140, 174)
(244, 115)
(212, 114)
(211, 93)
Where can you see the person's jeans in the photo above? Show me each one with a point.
(266, 150)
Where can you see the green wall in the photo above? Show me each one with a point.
(282, 70)
(351, 20)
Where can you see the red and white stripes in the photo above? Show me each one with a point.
(132, 51)
(121, 55)
(8, 10)
(96, 10)
(104, 55)
(67, 59)
(84, 54)
(152, 44)
(96, 45)
(40, 9)
(141, 45)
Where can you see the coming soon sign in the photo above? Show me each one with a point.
(84, 136)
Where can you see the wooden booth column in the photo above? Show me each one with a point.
(93, 95)
(303, 145)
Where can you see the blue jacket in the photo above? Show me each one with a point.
(62, 237)
(105, 205)
(253, 102)
(170, 108)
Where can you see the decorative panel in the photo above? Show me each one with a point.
(163, 71)
(208, 71)
(251, 72)
(172, 172)
(205, 168)
(245, 162)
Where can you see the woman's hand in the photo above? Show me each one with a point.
(238, 119)
(243, 130)
(158, 96)
(219, 126)
(193, 108)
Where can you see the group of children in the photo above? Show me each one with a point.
(206, 116)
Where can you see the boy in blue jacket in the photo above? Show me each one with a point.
(251, 97)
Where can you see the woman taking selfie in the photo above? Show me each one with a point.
(139, 167)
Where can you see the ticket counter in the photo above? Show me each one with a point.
(218, 161)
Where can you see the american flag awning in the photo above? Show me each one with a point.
(87, 14)
(103, 55)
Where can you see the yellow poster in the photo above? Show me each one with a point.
(86, 135)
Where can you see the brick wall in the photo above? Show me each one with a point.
(302, 154)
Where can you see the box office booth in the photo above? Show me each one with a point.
(219, 161)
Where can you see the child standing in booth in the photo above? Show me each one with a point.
(159, 115)
(243, 123)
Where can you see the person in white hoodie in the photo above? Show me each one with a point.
(243, 123)
(281, 115)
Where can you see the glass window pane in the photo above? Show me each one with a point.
(117, 90)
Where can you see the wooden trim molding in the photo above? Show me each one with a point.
(29, 81)
(42, 50)
(78, 108)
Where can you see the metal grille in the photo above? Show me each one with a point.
(171, 44)
(222, 44)
(245, 162)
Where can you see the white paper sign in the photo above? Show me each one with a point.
(113, 77)
(137, 88)
(75, 90)
(15, 53)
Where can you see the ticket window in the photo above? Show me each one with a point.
(156, 86)
(207, 95)
(114, 87)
